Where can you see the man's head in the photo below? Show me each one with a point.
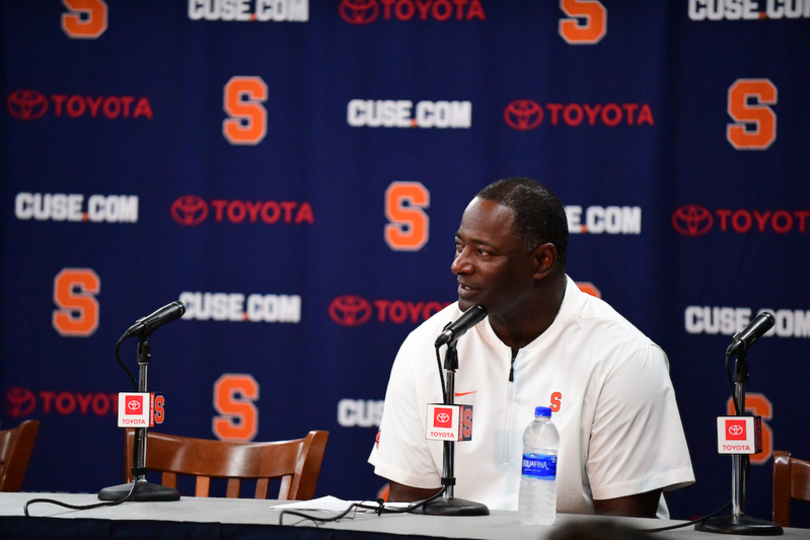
(539, 216)
(504, 252)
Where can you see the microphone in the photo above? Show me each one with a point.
(153, 321)
(748, 335)
(468, 319)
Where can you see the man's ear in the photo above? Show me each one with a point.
(545, 257)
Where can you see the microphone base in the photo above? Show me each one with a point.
(453, 507)
(144, 492)
(740, 525)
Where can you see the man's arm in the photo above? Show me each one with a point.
(639, 505)
(401, 493)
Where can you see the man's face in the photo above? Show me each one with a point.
(492, 266)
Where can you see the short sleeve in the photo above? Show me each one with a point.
(401, 452)
(637, 442)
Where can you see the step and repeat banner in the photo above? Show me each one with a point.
(294, 171)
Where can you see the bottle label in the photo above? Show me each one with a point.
(540, 466)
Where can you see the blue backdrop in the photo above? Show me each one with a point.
(295, 171)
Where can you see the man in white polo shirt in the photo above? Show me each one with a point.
(544, 342)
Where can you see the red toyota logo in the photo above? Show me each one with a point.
(189, 210)
(359, 11)
(134, 404)
(736, 430)
(523, 114)
(442, 418)
(27, 104)
(20, 402)
(350, 310)
(692, 220)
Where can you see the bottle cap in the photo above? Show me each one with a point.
(542, 411)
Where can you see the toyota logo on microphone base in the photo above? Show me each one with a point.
(134, 405)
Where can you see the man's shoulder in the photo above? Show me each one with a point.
(604, 326)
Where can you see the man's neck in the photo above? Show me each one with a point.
(520, 328)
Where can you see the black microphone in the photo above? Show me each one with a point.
(455, 330)
(153, 321)
(748, 335)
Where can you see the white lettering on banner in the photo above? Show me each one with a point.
(713, 320)
(735, 10)
(398, 113)
(231, 307)
(604, 219)
(64, 207)
(359, 413)
(790, 323)
(249, 10)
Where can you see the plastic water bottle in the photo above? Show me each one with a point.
(537, 504)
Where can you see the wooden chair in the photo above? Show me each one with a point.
(15, 449)
(791, 480)
(297, 463)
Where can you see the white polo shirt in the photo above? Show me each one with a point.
(608, 386)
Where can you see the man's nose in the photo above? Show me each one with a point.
(461, 262)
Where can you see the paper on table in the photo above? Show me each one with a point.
(327, 504)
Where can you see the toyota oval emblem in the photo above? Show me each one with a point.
(523, 114)
(134, 405)
(27, 104)
(359, 11)
(692, 220)
(350, 310)
(735, 430)
(20, 402)
(443, 417)
(189, 210)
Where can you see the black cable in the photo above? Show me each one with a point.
(124, 499)
(118, 357)
(316, 519)
(441, 375)
(695, 522)
(379, 509)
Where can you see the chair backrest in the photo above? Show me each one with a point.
(297, 463)
(15, 449)
(791, 480)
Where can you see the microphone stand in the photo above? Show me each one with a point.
(141, 490)
(738, 522)
(448, 505)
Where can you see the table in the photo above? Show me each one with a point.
(217, 518)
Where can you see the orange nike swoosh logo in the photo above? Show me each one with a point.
(459, 394)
